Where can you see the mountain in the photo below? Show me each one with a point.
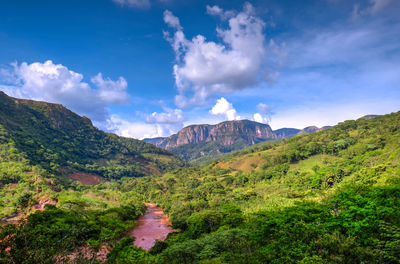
(225, 133)
(291, 132)
(286, 132)
(198, 141)
(63, 142)
(205, 142)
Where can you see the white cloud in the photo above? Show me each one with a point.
(217, 11)
(141, 130)
(205, 68)
(172, 20)
(156, 124)
(137, 130)
(112, 92)
(264, 115)
(223, 107)
(57, 84)
(134, 3)
(171, 116)
(259, 118)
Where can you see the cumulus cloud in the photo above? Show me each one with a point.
(171, 116)
(134, 3)
(57, 84)
(224, 108)
(204, 68)
(158, 127)
(157, 124)
(217, 11)
(263, 115)
(137, 130)
(112, 92)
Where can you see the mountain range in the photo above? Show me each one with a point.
(202, 141)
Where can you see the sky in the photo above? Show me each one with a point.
(147, 68)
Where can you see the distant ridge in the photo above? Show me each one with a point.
(197, 141)
(287, 132)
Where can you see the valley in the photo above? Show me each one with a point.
(331, 196)
(199, 132)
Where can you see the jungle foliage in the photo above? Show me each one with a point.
(326, 197)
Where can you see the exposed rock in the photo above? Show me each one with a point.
(200, 141)
(225, 133)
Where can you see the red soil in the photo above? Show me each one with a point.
(153, 225)
(86, 178)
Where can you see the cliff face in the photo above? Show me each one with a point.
(225, 133)
(202, 141)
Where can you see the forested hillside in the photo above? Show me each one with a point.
(63, 142)
(327, 197)
(46, 216)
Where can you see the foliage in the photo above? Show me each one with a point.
(55, 138)
(326, 197)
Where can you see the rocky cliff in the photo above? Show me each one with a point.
(225, 133)
(199, 141)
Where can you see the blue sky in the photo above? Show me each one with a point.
(146, 68)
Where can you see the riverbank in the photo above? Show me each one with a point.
(153, 225)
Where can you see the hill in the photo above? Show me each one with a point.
(63, 142)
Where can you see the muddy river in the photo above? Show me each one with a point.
(153, 225)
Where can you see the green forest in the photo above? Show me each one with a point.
(326, 197)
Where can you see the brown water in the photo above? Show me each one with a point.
(153, 225)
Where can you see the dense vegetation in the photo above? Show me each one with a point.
(199, 153)
(61, 141)
(86, 217)
(327, 197)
